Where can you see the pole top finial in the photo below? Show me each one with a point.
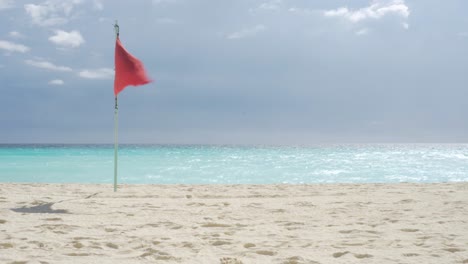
(116, 28)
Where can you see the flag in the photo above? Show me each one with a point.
(128, 69)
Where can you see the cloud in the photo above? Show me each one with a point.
(70, 39)
(363, 31)
(5, 4)
(376, 10)
(47, 65)
(248, 32)
(51, 12)
(42, 15)
(101, 73)
(13, 47)
(56, 82)
(302, 11)
(271, 5)
(98, 5)
(15, 34)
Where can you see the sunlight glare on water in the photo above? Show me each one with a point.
(235, 165)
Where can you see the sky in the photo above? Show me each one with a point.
(236, 71)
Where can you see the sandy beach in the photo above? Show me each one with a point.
(336, 223)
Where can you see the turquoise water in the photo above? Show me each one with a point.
(234, 165)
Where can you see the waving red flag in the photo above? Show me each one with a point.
(128, 69)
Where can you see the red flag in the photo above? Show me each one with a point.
(128, 69)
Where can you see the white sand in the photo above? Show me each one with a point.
(339, 223)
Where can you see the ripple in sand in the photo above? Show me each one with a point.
(214, 225)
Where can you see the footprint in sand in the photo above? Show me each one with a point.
(220, 243)
(58, 228)
(361, 256)
(347, 231)
(353, 244)
(304, 204)
(409, 230)
(266, 252)
(249, 245)
(156, 254)
(339, 254)
(293, 225)
(230, 261)
(78, 254)
(77, 244)
(229, 233)
(53, 219)
(278, 211)
(453, 250)
(37, 244)
(112, 245)
(298, 260)
(188, 245)
(6, 245)
(405, 201)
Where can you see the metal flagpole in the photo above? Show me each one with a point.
(116, 144)
(116, 124)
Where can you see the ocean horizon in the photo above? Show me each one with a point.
(234, 164)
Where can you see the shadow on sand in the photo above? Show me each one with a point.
(40, 209)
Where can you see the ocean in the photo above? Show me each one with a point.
(166, 164)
